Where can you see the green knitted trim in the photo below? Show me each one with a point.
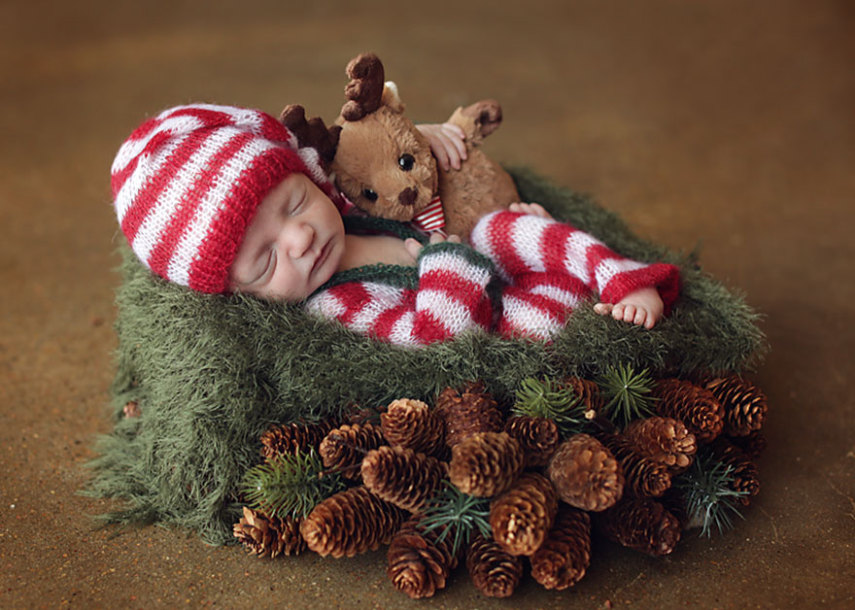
(393, 275)
(399, 275)
(370, 224)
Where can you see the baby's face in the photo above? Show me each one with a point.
(292, 246)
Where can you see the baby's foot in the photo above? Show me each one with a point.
(642, 307)
(535, 209)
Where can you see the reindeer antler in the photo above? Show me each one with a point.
(311, 133)
(365, 89)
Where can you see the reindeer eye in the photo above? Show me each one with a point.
(370, 195)
(406, 162)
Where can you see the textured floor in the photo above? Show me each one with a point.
(727, 125)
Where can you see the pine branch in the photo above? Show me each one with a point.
(456, 514)
(549, 400)
(289, 485)
(709, 498)
(627, 394)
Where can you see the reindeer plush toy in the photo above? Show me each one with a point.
(383, 164)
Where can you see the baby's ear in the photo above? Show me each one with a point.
(391, 98)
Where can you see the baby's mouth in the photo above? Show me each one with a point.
(322, 256)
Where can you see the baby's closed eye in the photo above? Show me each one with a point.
(261, 271)
(269, 266)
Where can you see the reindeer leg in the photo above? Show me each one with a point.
(478, 120)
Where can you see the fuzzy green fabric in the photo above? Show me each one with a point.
(211, 373)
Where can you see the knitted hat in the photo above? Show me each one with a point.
(187, 183)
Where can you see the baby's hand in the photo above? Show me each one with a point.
(535, 209)
(446, 143)
(414, 246)
(642, 307)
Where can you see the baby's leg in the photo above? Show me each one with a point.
(537, 305)
(521, 243)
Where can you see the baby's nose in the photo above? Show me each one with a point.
(300, 239)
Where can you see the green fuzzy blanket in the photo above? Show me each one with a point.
(211, 373)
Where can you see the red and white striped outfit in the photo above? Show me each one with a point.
(546, 266)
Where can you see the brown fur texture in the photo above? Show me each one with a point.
(370, 158)
(367, 158)
(481, 185)
(311, 132)
(365, 89)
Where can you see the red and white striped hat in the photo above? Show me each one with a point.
(187, 183)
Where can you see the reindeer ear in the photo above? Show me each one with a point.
(391, 97)
(365, 89)
(293, 116)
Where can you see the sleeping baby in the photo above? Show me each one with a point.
(222, 199)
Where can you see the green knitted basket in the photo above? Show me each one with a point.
(211, 373)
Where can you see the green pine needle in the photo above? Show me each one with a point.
(548, 399)
(627, 394)
(289, 485)
(457, 514)
(710, 500)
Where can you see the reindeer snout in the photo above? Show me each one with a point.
(408, 196)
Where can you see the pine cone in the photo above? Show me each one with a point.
(350, 522)
(643, 476)
(640, 524)
(589, 393)
(288, 439)
(485, 464)
(564, 557)
(413, 425)
(693, 405)
(746, 477)
(521, 517)
(401, 476)
(586, 474)
(745, 406)
(538, 437)
(131, 409)
(664, 440)
(752, 445)
(357, 414)
(494, 572)
(269, 536)
(344, 447)
(417, 563)
(468, 411)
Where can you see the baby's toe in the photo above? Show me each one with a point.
(629, 313)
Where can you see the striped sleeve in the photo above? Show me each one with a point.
(451, 297)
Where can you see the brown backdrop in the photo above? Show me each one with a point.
(727, 124)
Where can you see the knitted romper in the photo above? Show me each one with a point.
(521, 276)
